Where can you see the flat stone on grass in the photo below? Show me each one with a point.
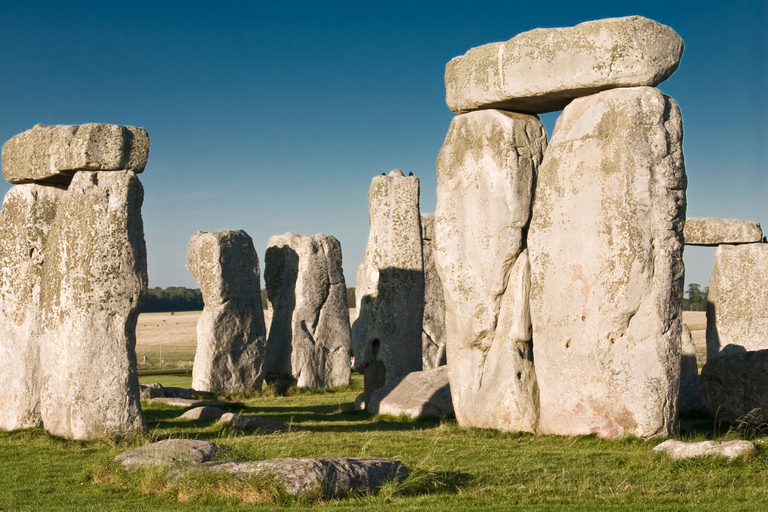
(729, 449)
(168, 453)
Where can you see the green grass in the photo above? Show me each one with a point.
(452, 468)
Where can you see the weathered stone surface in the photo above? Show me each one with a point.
(253, 423)
(689, 400)
(729, 449)
(712, 232)
(203, 413)
(386, 337)
(54, 153)
(25, 219)
(93, 286)
(734, 386)
(607, 271)
(308, 339)
(169, 453)
(157, 390)
(328, 477)
(544, 69)
(485, 175)
(737, 303)
(689, 365)
(231, 335)
(433, 324)
(418, 394)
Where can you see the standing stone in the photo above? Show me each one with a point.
(689, 365)
(309, 336)
(734, 386)
(231, 335)
(25, 219)
(93, 286)
(485, 174)
(737, 303)
(607, 272)
(386, 337)
(433, 326)
(544, 69)
(54, 153)
(713, 232)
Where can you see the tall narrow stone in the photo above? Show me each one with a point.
(433, 327)
(25, 220)
(93, 286)
(309, 336)
(485, 175)
(607, 271)
(386, 337)
(737, 303)
(231, 335)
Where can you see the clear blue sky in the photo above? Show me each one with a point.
(274, 116)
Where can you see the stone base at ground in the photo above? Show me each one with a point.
(418, 394)
(734, 386)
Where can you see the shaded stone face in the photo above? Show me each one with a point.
(544, 69)
(309, 337)
(93, 286)
(390, 282)
(485, 175)
(231, 334)
(734, 386)
(433, 327)
(737, 303)
(713, 232)
(54, 153)
(606, 263)
(25, 220)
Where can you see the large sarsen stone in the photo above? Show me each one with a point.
(713, 232)
(606, 261)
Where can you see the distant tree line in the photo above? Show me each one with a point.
(178, 298)
(697, 298)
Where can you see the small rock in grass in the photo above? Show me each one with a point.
(203, 413)
(168, 453)
(253, 423)
(729, 449)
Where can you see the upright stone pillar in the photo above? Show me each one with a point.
(433, 327)
(231, 335)
(485, 176)
(94, 282)
(308, 341)
(25, 220)
(386, 337)
(606, 246)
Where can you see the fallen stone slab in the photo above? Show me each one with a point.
(187, 402)
(54, 153)
(544, 69)
(677, 450)
(418, 394)
(157, 390)
(734, 386)
(169, 453)
(332, 477)
(253, 423)
(737, 302)
(713, 232)
(203, 413)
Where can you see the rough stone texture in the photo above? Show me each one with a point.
(607, 271)
(689, 401)
(737, 303)
(712, 232)
(253, 423)
(308, 339)
(168, 453)
(93, 286)
(485, 175)
(734, 386)
(54, 153)
(544, 69)
(689, 365)
(433, 324)
(203, 413)
(729, 449)
(231, 335)
(386, 337)
(328, 477)
(25, 219)
(418, 394)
